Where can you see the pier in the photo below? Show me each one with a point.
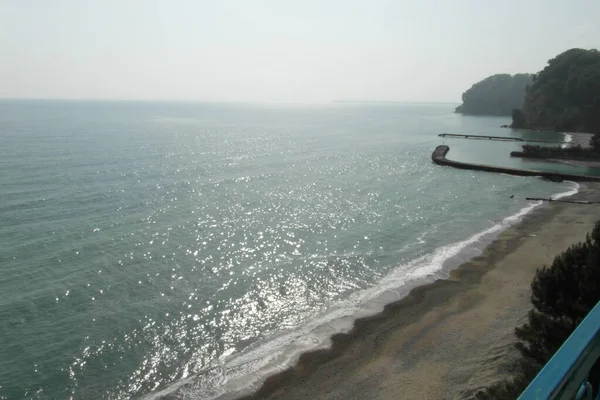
(499, 138)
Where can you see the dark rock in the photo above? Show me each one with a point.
(553, 178)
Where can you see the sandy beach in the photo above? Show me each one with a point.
(448, 339)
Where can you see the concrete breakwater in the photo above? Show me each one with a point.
(439, 157)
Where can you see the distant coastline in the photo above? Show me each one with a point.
(496, 95)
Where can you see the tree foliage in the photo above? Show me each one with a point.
(565, 95)
(562, 295)
(571, 153)
(495, 95)
(595, 142)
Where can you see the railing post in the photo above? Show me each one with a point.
(565, 376)
(585, 389)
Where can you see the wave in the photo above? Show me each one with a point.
(241, 374)
(571, 192)
(568, 139)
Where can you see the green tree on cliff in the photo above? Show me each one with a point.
(595, 143)
(562, 295)
(565, 95)
(495, 95)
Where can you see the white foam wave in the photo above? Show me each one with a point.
(570, 192)
(568, 139)
(245, 372)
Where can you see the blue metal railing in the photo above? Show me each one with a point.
(565, 376)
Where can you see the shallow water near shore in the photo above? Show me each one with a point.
(146, 245)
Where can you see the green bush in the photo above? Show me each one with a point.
(562, 295)
(575, 152)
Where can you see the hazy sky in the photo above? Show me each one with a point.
(280, 50)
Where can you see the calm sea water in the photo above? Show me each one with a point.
(194, 248)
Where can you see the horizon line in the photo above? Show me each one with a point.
(323, 102)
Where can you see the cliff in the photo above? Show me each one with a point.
(495, 95)
(564, 96)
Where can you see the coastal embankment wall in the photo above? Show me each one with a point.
(439, 157)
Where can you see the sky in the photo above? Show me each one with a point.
(278, 50)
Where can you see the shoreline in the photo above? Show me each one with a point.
(362, 358)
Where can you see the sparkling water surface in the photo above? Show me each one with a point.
(142, 244)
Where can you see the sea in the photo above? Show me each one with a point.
(188, 250)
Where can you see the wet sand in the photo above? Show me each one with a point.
(448, 339)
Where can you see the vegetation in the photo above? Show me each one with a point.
(565, 95)
(562, 295)
(518, 118)
(576, 152)
(495, 95)
(595, 142)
